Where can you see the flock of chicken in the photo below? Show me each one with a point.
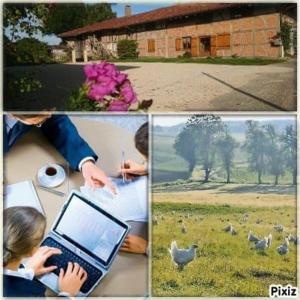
(181, 257)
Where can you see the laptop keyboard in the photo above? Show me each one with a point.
(61, 261)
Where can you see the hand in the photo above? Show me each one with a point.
(71, 281)
(37, 261)
(133, 168)
(134, 244)
(96, 177)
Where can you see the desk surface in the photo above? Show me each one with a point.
(129, 273)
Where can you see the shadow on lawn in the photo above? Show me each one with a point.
(58, 82)
(259, 189)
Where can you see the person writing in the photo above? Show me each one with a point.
(134, 243)
(23, 231)
(63, 135)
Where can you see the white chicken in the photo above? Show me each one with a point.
(252, 238)
(181, 257)
(284, 248)
(264, 243)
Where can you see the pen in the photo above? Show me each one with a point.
(123, 165)
(58, 193)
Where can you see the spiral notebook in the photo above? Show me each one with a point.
(22, 194)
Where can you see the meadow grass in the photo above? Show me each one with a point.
(225, 265)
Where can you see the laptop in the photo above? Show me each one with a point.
(86, 234)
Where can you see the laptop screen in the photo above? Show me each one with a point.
(91, 229)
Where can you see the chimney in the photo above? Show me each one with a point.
(127, 10)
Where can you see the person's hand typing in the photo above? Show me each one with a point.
(72, 280)
(95, 177)
(36, 262)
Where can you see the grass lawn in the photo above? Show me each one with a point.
(225, 265)
(242, 61)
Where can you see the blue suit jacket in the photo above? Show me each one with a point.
(20, 287)
(63, 135)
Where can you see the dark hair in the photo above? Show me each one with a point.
(141, 139)
(23, 229)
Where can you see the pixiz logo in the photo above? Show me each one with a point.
(279, 291)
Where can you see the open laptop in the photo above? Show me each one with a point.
(86, 234)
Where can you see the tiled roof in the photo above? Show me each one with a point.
(151, 16)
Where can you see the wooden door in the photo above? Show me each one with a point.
(213, 46)
(194, 46)
(204, 46)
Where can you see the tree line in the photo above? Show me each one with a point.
(206, 138)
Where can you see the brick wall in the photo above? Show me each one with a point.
(249, 36)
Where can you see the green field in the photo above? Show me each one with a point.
(168, 166)
(225, 265)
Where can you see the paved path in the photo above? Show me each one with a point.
(179, 87)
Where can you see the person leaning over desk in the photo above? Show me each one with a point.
(63, 135)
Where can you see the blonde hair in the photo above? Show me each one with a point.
(23, 229)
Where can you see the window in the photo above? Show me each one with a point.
(151, 45)
(186, 43)
(223, 40)
(178, 44)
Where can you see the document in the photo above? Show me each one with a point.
(130, 203)
(22, 194)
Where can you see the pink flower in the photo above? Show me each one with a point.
(106, 83)
(127, 93)
(118, 105)
(121, 77)
(98, 92)
(90, 72)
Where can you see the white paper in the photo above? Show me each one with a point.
(22, 194)
(130, 203)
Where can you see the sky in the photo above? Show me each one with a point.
(138, 8)
(169, 120)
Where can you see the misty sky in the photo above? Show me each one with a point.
(169, 120)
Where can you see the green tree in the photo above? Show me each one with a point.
(274, 153)
(256, 147)
(24, 18)
(185, 146)
(289, 140)
(225, 146)
(205, 130)
(67, 16)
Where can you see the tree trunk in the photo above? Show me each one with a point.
(206, 175)
(295, 176)
(228, 177)
(276, 179)
(259, 177)
(191, 167)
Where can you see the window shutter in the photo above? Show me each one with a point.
(178, 44)
(151, 45)
(223, 40)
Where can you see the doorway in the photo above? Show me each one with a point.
(205, 46)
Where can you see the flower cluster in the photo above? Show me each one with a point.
(109, 87)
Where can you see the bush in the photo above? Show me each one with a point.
(186, 54)
(32, 51)
(285, 34)
(127, 49)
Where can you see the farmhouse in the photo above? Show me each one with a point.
(198, 29)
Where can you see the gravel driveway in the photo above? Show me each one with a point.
(179, 87)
